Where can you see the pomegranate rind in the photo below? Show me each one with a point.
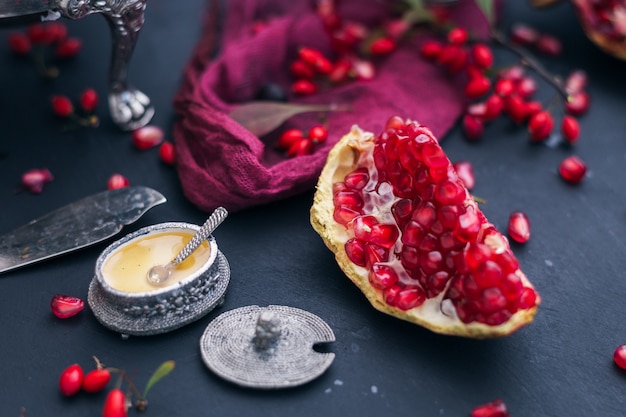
(343, 159)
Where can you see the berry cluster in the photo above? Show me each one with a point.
(43, 39)
(296, 143)
(63, 107)
(511, 90)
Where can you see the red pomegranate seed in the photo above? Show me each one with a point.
(68, 48)
(457, 36)
(318, 134)
(394, 122)
(89, 100)
(549, 45)
(96, 380)
(482, 56)
(431, 50)
(496, 408)
(300, 148)
(167, 153)
(363, 70)
(619, 356)
(117, 181)
(540, 126)
(19, 43)
(62, 106)
(465, 171)
(519, 227)
(65, 306)
(570, 129)
(304, 87)
(382, 276)
(524, 34)
(341, 71)
(578, 103)
(301, 70)
(71, 380)
(382, 46)
(147, 137)
(572, 169)
(472, 127)
(477, 87)
(576, 82)
(288, 137)
(35, 179)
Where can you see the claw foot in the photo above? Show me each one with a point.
(130, 109)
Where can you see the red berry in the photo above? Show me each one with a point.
(71, 380)
(532, 108)
(304, 87)
(62, 106)
(619, 356)
(504, 87)
(318, 134)
(477, 87)
(457, 36)
(540, 126)
(549, 45)
(65, 306)
(516, 108)
(38, 33)
(513, 73)
(431, 50)
(482, 56)
(382, 46)
(300, 148)
(473, 127)
(115, 404)
(19, 43)
(526, 87)
(493, 107)
(96, 380)
(576, 81)
(57, 31)
(89, 100)
(288, 137)
(68, 48)
(465, 171)
(496, 408)
(572, 169)
(315, 59)
(147, 137)
(117, 181)
(519, 227)
(34, 179)
(570, 129)
(340, 72)
(167, 153)
(578, 103)
(300, 69)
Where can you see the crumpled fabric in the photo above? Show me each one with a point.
(221, 163)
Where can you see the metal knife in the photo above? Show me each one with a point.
(75, 226)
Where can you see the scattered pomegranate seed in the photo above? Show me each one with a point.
(19, 43)
(62, 106)
(496, 408)
(540, 126)
(318, 134)
(89, 100)
(578, 103)
(472, 127)
(71, 380)
(523, 34)
(115, 404)
(363, 70)
(35, 179)
(549, 45)
(167, 153)
(147, 137)
(431, 50)
(117, 181)
(519, 227)
(96, 380)
(68, 48)
(619, 356)
(66, 306)
(304, 87)
(382, 46)
(570, 129)
(572, 169)
(457, 36)
(465, 171)
(482, 56)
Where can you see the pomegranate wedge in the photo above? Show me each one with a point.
(406, 231)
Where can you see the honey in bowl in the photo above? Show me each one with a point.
(126, 268)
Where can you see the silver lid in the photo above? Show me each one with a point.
(267, 347)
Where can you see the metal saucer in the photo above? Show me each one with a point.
(267, 347)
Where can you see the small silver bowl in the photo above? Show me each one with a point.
(165, 308)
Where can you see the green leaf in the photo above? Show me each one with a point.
(486, 6)
(161, 372)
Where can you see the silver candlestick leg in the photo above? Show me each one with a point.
(130, 108)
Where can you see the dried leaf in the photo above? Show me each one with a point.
(163, 370)
(261, 117)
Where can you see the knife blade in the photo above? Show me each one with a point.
(79, 224)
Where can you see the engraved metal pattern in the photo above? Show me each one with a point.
(163, 309)
(214, 220)
(251, 348)
(75, 226)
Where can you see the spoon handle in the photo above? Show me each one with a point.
(202, 234)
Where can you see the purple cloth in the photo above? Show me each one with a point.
(220, 163)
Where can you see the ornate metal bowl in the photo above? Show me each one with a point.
(165, 308)
(130, 108)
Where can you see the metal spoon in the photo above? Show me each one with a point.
(158, 274)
